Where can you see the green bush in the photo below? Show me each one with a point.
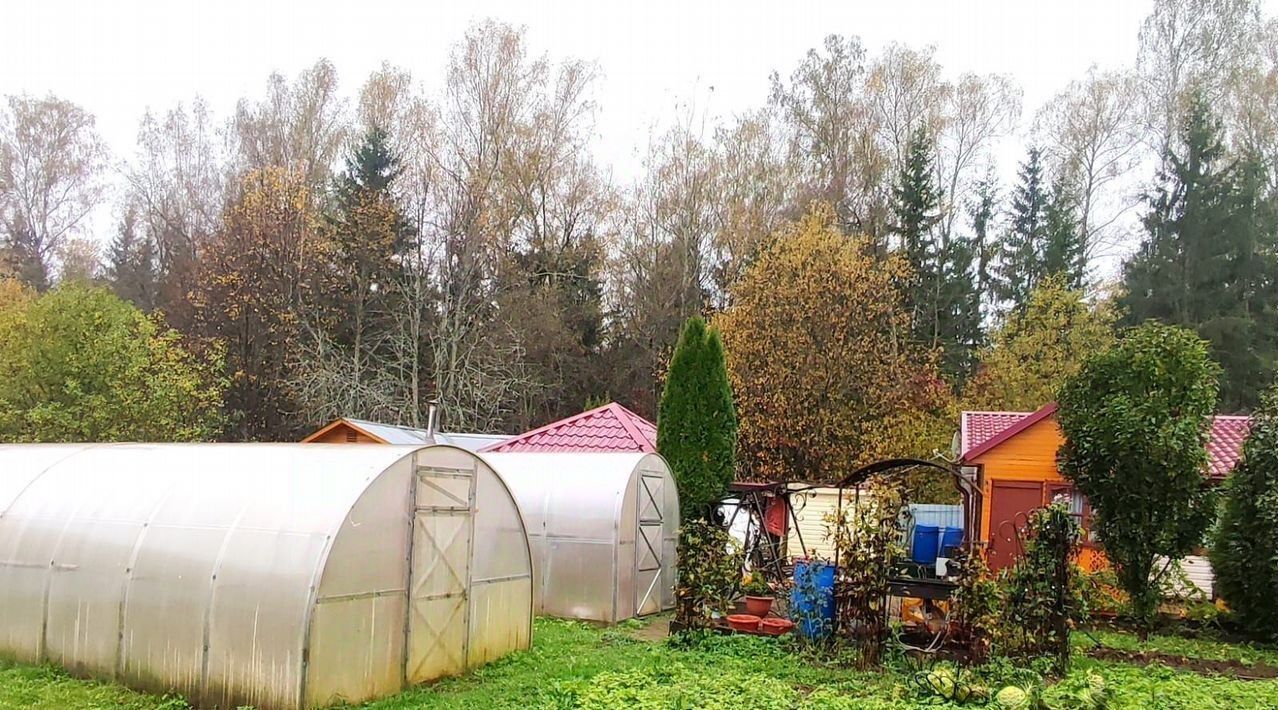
(1245, 554)
(1136, 421)
(697, 422)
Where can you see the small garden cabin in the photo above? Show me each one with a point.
(1014, 457)
(264, 575)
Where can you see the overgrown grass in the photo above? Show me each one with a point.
(574, 665)
(49, 688)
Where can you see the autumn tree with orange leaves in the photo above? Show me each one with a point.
(822, 370)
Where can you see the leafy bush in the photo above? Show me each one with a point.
(976, 606)
(1135, 421)
(80, 364)
(1245, 554)
(697, 422)
(868, 539)
(709, 573)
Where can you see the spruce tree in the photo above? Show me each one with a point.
(131, 268)
(1208, 258)
(697, 421)
(983, 214)
(942, 298)
(1063, 250)
(1244, 555)
(1020, 265)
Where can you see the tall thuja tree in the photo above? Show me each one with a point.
(697, 421)
(1136, 420)
(1020, 264)
(1063, 249)
(1244, 555)
(1208, 258)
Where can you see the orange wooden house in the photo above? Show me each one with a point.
(1014, 457)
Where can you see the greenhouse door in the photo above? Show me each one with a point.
(648, 546)
(439, 575)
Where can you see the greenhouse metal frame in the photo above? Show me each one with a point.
(272, 575)
(603, 530)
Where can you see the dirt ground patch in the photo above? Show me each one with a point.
(658, 630)
(1205, 666)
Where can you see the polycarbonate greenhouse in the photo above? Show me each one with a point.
(603, 530)
(271, 575)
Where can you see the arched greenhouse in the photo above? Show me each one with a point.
(272, 575)
(603, 529)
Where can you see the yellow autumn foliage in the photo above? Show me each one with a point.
(823, 373)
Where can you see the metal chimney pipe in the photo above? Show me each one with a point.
(432, 418)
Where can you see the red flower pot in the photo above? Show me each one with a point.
(743, 622)
(775, 626)
(759, 606)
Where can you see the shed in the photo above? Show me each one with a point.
(271, 575)
(603, 530)
(360, 431)
(1013, 455)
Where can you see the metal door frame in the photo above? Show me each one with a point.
(420, 473)
(642, 595)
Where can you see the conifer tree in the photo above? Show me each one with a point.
(941, 296)
(131, 268)
(697, 421)
(1020, 266)
(1208, 258)
(1063, 250)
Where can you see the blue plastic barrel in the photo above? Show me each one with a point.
(926, 544)
(951, 538)
(812, 598)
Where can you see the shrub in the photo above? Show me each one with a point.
(1040, 597)
(709, 573)
(1244, 555)
(1135, 421)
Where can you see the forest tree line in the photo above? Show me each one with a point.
(323, 255)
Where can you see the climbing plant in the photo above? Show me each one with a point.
(1040, 598)
(867, 537)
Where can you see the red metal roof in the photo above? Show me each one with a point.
(611, 427)
(982, 431)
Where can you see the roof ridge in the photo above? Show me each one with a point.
(627, 419)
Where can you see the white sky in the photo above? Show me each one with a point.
(120, 57)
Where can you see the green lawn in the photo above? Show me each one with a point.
(574, 665)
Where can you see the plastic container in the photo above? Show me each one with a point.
(927, 540)
(951, 538)
(744, 622)
(812, 599)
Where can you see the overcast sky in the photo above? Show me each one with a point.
(118, 58)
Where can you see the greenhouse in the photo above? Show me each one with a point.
(270, 575)
(602, 527)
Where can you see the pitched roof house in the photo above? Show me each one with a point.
(611, 427)
(1014, 455)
